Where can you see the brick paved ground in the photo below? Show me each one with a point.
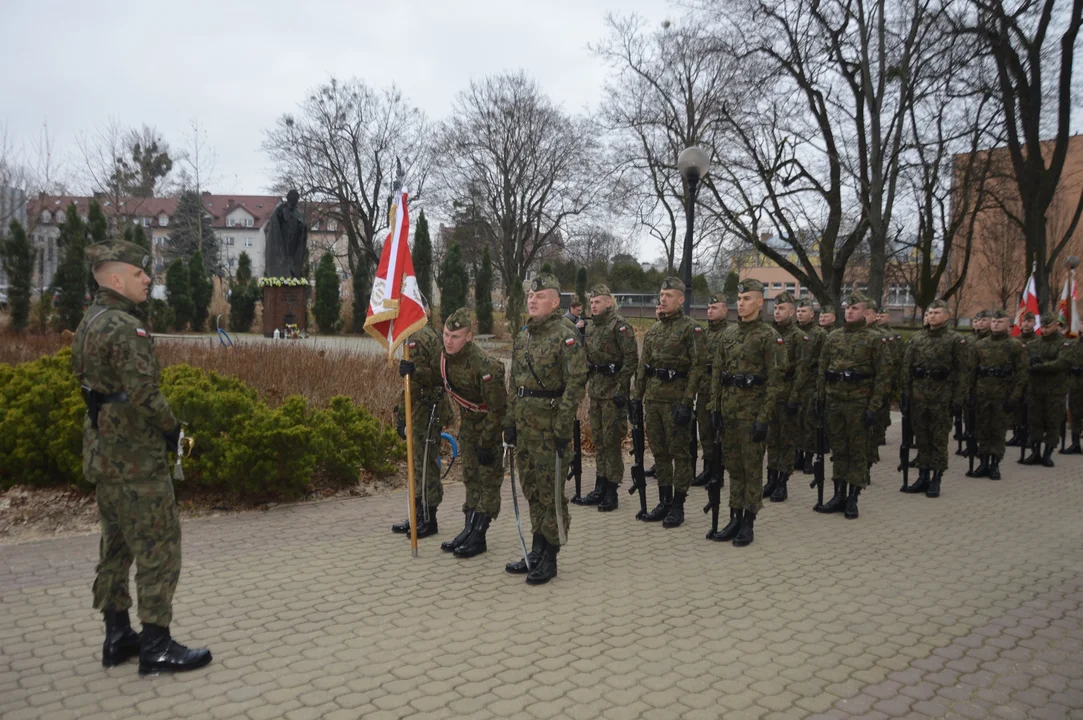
(970, 605)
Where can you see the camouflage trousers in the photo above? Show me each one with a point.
(703, 427)
(139, 522)
(932, 423)
(744, 463)
(1075, 405)
(806, 425)
(669, 443)
(992, 422)
(482, 482)
(781, 440)
(608, 426)
(1045, 413)
(535, 458)
(849, 441)
(427, 486)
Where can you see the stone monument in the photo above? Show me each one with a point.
(284, 302)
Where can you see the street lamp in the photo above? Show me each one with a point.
(693, 164)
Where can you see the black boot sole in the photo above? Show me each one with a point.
(154, 671)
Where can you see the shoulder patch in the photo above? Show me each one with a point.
(780, 341)
(962, 341)
(883, 339)
(699, 329)
(411, 344)
(569, 341)
(143, 333)
(806, 338)
(1067, 344)
(622, 328)
(486, 377)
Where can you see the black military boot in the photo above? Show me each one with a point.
(595, 495)
(703, 478)
(921, 485)
(450, 545)
(994, 467)
(982, 470)
(159, 652)
(475, 544)
(519, 566)
(1015, 440)
(808, 465)
(425, 528)
(609, 498)
(744, 535)
(780, 494)
(933, 490)
(1074, 448)
(675, 516)
(121, 642)
(665, 499)
(1035, 456)
(546, 569)
(730, 531)
(772, 483)
(850, 513)
(837, 502)
(1047, 458)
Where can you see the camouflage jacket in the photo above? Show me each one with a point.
(473, 378)
(792, 340)
(674, 343)
(1049, 364)
(112, 352)
(752, 349)
(998, 368)
(610, 341)
(809, 355)
(856, 349)
(944, 354)
(425, 383)
(1074, 355)
(713, 336)
(546, 355)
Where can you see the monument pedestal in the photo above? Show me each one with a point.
(284, 306)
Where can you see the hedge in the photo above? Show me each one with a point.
(241, 444)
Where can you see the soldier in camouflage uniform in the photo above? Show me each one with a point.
(1025, 338)
(746, 386)
(475, 382)
(431, 413)
(612, 357)
(934, 379)
(806, 393)
(877, 436)
(669, 374)
(127, 432)
(783, 428)
(1075, 394)
(1048, 383)
(850, 390)
(980, 326)
(998, 372)
(894, 359)
(717, 322)
(548, 381)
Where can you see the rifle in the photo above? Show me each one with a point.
(1024, 432)
(905, 442)
(639, 478)
(971, 430)
(818, 465)
(693, 450)
(959, 436)
(575, 469)
(1063, 432)
(714, 485)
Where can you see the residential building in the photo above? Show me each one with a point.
(12, 209)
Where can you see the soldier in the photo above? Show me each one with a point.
(850, 390)
(612, 357)
(1025, 338)
(475, 381)
(827, 318)
(1075, 394)
(894, 359)
(669, 374)
(717, 322)
(806, 394)
(981, 323)
(934, 373)
(746, 385)
(575, 317)
(431, 413)
(127, 433)
(783, 428)
(877, 436)
(998, 372)
(548, 381)
(1048, 382)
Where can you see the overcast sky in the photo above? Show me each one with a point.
(236, 66)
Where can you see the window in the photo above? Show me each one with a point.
(60, 216)
(248, 242)
(46, 216)
(316, 225)
(163, 220)
(791, 287)
(146, 222)
(229, 222)
(804, 293)
(248, 222)
(331, 226)
(776, 286)
(229, 241)
(232, 262)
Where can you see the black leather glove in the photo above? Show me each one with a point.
(682, 415)
(406, 367)
(619, 400)
(868, 418)
(485, 455)
(956, 409)
(1010, 405)
(562, 445)
(759, 432)
(716, 420)
(172, 438)
(509, 436)
(400, 425)
(792, 408)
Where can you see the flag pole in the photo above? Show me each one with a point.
(410, 453)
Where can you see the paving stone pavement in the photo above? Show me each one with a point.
(970, 605)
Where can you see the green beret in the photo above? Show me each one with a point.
(718, 297)
(672, 283)
(599, 290)
(997, 314)
(937, 305)
(545, 281)
(830, 309)
(804, 304)
(784, 297)
(118, 251)
(1050, 319)
(459, 319)
(750, 285)
(1028, 315)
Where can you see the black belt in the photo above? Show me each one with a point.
(790, 374)
(834, 376)
(996, 372)
(743, 381)
(1075, 371)
(930, 374)
(608, 369)
(548, 394)
(665, 373)
(94, 401)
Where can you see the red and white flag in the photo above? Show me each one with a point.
(396, 310)
(1069, 315)
(1028, 303)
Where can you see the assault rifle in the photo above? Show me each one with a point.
(717, 480)
(818, 465)
(639, 478)
(575, 468)
(971, 430)
(1024, 432)
(959, 435)
(905, 442)
(693, 446)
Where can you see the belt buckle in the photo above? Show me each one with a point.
(672, 374)
(521, 392)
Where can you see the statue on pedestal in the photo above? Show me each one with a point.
(287, 238)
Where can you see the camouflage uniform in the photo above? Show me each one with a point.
(806, 394)
(712, 336)
(783, 428)
(1024, 339)
(1074, 356)
(1048, 383)
(878, 432)
(998, 371)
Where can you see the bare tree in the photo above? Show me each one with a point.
(123, 166)
(1000, 258)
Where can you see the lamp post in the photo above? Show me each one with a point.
(693, 164)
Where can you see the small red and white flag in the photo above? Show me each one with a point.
(1028, 303)
(396, 310)
(1069, 315)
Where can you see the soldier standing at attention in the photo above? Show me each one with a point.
(1048, 382)
(980, 326)
(475, 381)
(1025, 338)
(669, 374)
(1075, 394)
(934, 377)
(548, 381)
(806, 394)
(127, 433)
(998, 372)
(612, 357)
(877, 435)
(894, 359)
(717, 322)
(746, 386)
(431, 413)
(783, 428)
(850, 390)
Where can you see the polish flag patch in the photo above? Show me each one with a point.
(569, 341)
(140, 332)
(622, 328)
(780, 341)
(486, 377)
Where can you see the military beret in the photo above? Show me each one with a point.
(545, 281)
(983, 314)
(784, 297)
(874, 305)
(750, 285)
(830, 309)
(1028, 315)
(1049, 319)
(998, 314)
(672, 283)
(118, 251)
(599, 290)
(937, 305)
(461, 318)
(854, 298)
(804, 304)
